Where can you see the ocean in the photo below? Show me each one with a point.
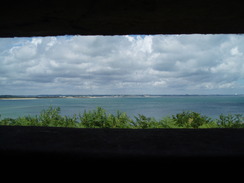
(151, 106)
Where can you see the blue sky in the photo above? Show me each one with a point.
(132, 64)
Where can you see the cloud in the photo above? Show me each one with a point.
(160, 64)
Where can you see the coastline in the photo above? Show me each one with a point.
(18, 98)
(33, 97)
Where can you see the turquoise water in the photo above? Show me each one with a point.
(157, 107)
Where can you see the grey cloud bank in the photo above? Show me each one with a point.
(160, 64)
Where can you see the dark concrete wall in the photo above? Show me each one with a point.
(119, 17)
(166, 147)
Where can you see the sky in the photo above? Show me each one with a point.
(130, 64)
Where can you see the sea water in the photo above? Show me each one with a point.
(152, 106)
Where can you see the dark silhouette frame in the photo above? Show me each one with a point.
(176, 147)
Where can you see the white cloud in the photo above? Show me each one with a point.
(161, 64)
(235, 52)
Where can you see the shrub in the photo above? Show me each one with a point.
(93, 119)
(144, 122)
(230, 121)
(8, 121)
(168, 122)
(27, 121)
(50, 117)
(189, 119)
(98, 118)
(120, 120)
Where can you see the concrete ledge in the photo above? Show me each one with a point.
(68, 145)
(120, 17)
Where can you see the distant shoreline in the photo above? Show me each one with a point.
(21, 98)
(12, 97)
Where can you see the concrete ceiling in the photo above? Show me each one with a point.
(119, 17)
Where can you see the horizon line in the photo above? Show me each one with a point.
(63, 95)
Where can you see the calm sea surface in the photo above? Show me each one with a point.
(157, 107)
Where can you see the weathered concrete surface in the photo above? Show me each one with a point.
(46, 144)
(118, 17)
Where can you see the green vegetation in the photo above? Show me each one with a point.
(99, 118)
